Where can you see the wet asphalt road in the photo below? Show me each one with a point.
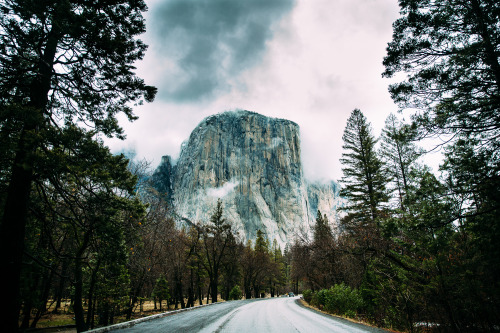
(256, 315)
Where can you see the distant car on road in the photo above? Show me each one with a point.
(290, 294)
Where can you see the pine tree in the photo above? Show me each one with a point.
(216, 239)
(322, 231)
(263, 259)
(84, 201)
(449, 51)
(62, 62)
(323, 253)
(161, 290)
(364, 181)
(399, 154)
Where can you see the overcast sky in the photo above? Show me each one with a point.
(309, 61)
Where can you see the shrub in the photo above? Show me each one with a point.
(308, 295)
(322, 297)
(235, 293)
(342, 298)
(339, 299)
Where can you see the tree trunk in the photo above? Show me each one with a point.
(42, 309)
(248, 292)
(130, 308)
(179, 292)
(91, 324)
(27, 307)
(60, 287)
(12, 232)
(90, 295)
(208, 292)
(78, 298)
(256, 291)
(198, 282)
(213, 289)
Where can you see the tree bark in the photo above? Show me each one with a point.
(12, 230)
(78, 298)
(81, 326)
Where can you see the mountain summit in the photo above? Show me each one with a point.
(253, 164)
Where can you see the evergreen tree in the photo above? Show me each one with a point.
(62, 62)
(278, 270)
(248, 264)
(364, 182)
(263, 260)
(84, 202)
(230, 269)
(323, 257)
(217, 238)
(399, 154)
(161, 291)
(449, 51)
(322, 231)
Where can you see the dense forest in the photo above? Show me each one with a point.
(414, 248)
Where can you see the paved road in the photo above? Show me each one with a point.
(264, 315)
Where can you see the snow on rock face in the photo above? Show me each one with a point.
(253, 164)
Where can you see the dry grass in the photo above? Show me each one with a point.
(52, 322)
(362, 322)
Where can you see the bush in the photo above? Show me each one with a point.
(339, 299)
(307, 294)
(322, 297)
(235, 293)
(342, 298)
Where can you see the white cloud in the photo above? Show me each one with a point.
(221, 192)
(275, 142)
(324, 59)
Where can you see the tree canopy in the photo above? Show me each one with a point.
(62, 63)
(364, 181)
(449, 51)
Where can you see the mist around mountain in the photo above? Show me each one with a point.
(253, 164)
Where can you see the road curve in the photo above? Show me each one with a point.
(262, 315)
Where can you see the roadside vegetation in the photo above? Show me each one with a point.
(84, 232)
(421, 248)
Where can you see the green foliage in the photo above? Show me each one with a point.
(322, 231)
(364, 182)
(339, 299)
(399, 154)
(216, 218)
(217, 239)
(394, 293)
(449, 50)
(79, 56)
(307, 295)
(64, 63)
(235, 293)
(161, 289)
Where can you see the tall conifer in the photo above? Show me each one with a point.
(364, 182)
(399, 154)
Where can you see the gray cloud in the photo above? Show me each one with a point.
(209, 42)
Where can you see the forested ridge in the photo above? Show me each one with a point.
(416, 249)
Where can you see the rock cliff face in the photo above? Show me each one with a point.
(253, 164)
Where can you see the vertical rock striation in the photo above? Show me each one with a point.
(253, 164)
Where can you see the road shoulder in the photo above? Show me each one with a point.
(347, 321)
